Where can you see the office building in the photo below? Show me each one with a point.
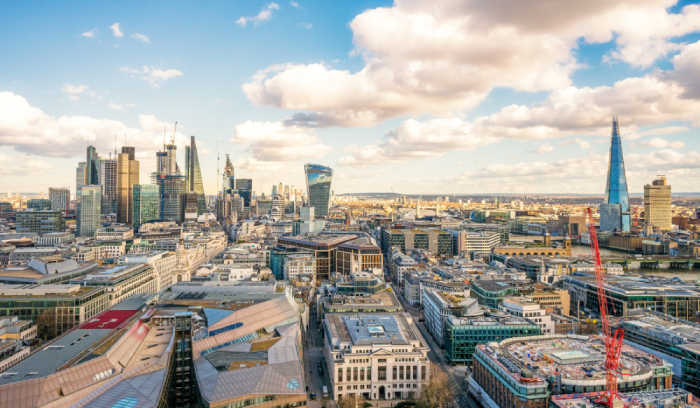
(59, 197)
(298, 264)
(323, 247)
(657, 204)
(359, 283)
(55, 239)
(108, 181)
(463, 334)
(229, 174)
(41, 222)
(438, 306)
(528, 372)
(172, 196)
(278, 255)
(375, 356)
(166, 160)
(522, 306)
(433, 240)
(244, 188)
(615, 208)
(318, 187)
(122, 282)
(146, 204)
(39, 204)
(92, 167)
(80, 175)
(358, 255)
(193, 176)
(127, 176)
(89, 209)
(478, 243)
(45, 268)
(491, 292)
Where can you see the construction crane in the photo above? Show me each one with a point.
(613, 341)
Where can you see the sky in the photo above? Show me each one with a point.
(438, 97)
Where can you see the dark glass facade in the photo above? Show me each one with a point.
(318, 186)
(616, 186)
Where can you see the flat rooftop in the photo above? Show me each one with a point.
(367, 329)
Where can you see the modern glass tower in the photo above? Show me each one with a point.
(193, 176)
(89, 208)
(318, 187)
(92, 169)
(128, 170)
(108, 181)
(615, 209)
(146, 204)
(172, 196)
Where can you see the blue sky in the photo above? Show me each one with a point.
(402, 95)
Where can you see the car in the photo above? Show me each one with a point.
(312, 396)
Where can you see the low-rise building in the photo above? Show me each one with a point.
(296, 264)
(46, 270)
(55, 239)
(360, 282)
(522, 306)
(41, 222)
(490, 293)
(122, 282)
(376, 356)
(162, 263)
(438, 306)
(398, 265)
(11, 327)
(114, 233)
(358, 255)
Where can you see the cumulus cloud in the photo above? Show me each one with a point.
(153, 75)
(73, 92)
(667, 130)
(25, 166)
(545, 148)
(140, 37)
(120, 107)
(29, 130)
(294, 4)
(414, 140)
(264, 15)
(116, 31)
(583, 144)
(659, 143)
(272, 143)
(90, 34)
(426, 58)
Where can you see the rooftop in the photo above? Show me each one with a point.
(366, 329)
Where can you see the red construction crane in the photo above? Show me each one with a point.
(613, 341)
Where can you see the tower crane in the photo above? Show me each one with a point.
(613, 341)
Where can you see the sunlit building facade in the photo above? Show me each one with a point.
(318, 186)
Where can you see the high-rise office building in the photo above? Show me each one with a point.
(615, 209)
(127, 176)
(40, 221)
(108, 181)
(318, 187)
(657, 204)
(39, 204)
(146, 207)
(274, 190)
(166, 160)
(280, 189)
(59, 197)
(80, 175)
(89, 209)
(92, 167)
(172, 195)
(193, 176)
(244, 188)
(228, 176)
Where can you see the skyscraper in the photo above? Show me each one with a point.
(228, 176)
(657, 204)
(59, 197)
(89, 208)
(127, 176)
(193, 176)
(80, 175)
(318, 187)
(615, 209)
(172, 193)
(146, 204)
(108, 181)
(92, 167)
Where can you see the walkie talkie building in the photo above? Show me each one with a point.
(318, 187)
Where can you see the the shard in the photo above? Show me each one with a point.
(193, 176)
(614, 210)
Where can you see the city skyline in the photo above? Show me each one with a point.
(279, 87)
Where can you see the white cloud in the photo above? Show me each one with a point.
(414, 140)
(264, 15)
(116, 30)
(294, 4)
(73, 91)
(90, 34)
(545, 148)
(25, 166)
(659, 143)
(426, 58)
(28, 130)
(153, 75)
(583, 144)
(306, 25)
(273, 142)
(140, 37)
(120, 107)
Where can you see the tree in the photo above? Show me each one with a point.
(438, 393)
(350, 401)
(46, 324)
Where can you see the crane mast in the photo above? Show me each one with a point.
(613, 341)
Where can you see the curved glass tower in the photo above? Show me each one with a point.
(615, 209)
(318, 186)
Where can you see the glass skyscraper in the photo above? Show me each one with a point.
(128, 174)
(318, 187)
(615, 209)
(172, 196)
(193, 176)
(146, 204)
(92, 167)
(89, 208)
(244, 188)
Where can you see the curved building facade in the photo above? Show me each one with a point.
(318, 185)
